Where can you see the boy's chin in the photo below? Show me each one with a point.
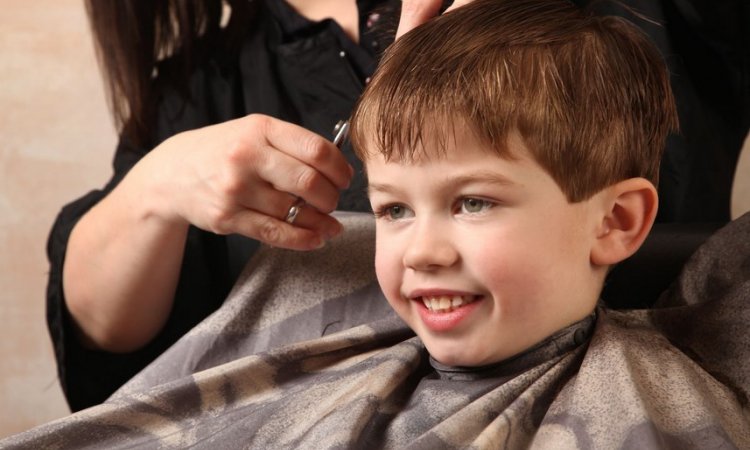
(459, 357)
(464, 354)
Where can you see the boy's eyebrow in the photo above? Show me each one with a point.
(372, 187)
(482, 176)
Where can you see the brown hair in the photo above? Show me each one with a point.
(132, 36)
(589, 95)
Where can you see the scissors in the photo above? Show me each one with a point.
(341, 132)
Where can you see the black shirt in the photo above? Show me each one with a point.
(308, 73)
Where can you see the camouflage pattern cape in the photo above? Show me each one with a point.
(306, 353)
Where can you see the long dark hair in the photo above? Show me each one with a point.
(132, 36)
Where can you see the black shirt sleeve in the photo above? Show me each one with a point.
(263, 77)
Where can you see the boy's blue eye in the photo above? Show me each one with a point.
(393, 212)
(474, 205)
(396, 212)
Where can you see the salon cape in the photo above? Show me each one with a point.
(675, 376)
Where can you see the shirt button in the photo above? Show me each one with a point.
(367, 80)
(342, 54)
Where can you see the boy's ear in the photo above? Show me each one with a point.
(627, 214)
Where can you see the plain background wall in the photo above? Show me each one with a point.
(56, 143)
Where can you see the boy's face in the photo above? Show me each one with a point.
(481, 256)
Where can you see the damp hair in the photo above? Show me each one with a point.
(589, 95)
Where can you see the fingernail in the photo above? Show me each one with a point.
(320, 244)
(330, 234)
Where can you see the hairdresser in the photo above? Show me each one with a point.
(226, 113)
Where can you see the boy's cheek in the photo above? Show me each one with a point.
(390, 284)
(387, 270)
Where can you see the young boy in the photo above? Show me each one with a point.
(510, 166)
(512, 148)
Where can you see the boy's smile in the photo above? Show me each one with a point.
(482, 256)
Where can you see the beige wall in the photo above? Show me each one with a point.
(56, 141)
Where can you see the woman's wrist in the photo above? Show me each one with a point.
(151, 195)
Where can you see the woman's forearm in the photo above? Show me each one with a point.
(121, 269)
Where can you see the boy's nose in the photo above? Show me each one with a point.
(429, 248)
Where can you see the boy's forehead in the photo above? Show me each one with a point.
(447, 143)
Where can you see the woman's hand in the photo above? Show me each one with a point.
(417, 12)
(124, 256)
(242, 176)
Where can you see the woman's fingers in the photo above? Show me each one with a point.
(284, 163)
(277, 205)
(417, 12)
(253, 196)
(313, 150)
(287, 174)
(268, 201)
(310, 230)
(458, 4)
(294, 160)
(243, 176)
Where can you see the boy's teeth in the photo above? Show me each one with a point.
(446, 303)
